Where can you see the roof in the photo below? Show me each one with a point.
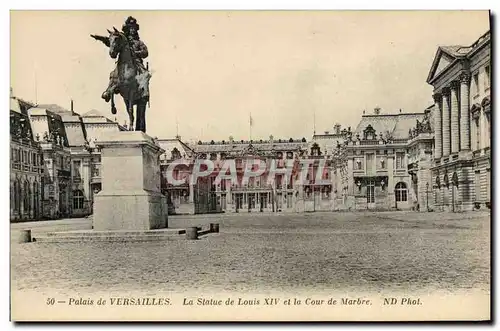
(397, 125)
(75, 133)
(170, 144)
(242, 147)
(95, 116)
(20, 106)
(446, 56)
(52, 123)
(57, 109)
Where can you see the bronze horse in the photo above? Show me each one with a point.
(132, 81)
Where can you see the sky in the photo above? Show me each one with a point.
(293, 71)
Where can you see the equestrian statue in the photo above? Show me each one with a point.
(130, 78)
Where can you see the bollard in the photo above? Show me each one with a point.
(24, 236)
(192, 233)
(214, 227)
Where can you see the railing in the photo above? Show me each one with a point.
(368, 142)
(17, 165)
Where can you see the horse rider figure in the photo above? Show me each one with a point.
(139, 51)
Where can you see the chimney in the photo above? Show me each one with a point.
(71, 105)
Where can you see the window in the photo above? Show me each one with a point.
(475, 85)
(370, 191)
(251, 200)
(17, 202)
(486, 78)
(289, 155)
(400, 160)
(401, 192)
(78, 199)
(279, 181)
(175, 154)
(369, 163)
(27, 195)
(488, 138)
(76, 168)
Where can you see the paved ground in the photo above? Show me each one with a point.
(328, 251)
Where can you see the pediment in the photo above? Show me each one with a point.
(441, 61)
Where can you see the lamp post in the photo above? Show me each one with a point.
(427, 195)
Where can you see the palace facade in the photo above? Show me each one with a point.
(435, 160)
(54, 162)
(258, 194)
(461, 167)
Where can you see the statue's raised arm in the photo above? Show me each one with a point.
(104, 40)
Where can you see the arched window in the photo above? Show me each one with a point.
(78, 199)
(27, 195)
(17, 196)
(401, 192)
(36, 199)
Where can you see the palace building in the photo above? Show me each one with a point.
(371, 163)
(461, 167)
(258, 194)
(26, 165)
(54, 162)
(435, 160)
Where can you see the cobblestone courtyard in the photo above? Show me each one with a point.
(326, 251)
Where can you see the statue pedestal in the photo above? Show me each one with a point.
(130, 198)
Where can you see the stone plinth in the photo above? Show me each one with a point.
(130, 170)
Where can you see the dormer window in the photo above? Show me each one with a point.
(176, 154)
(369, 133)
(315, 150)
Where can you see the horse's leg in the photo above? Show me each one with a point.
(130, 110)
(141, 116)
(113, 107)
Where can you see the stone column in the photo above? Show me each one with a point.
(455, 113)
(446, 122)
(438, 128)
(465, 140)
